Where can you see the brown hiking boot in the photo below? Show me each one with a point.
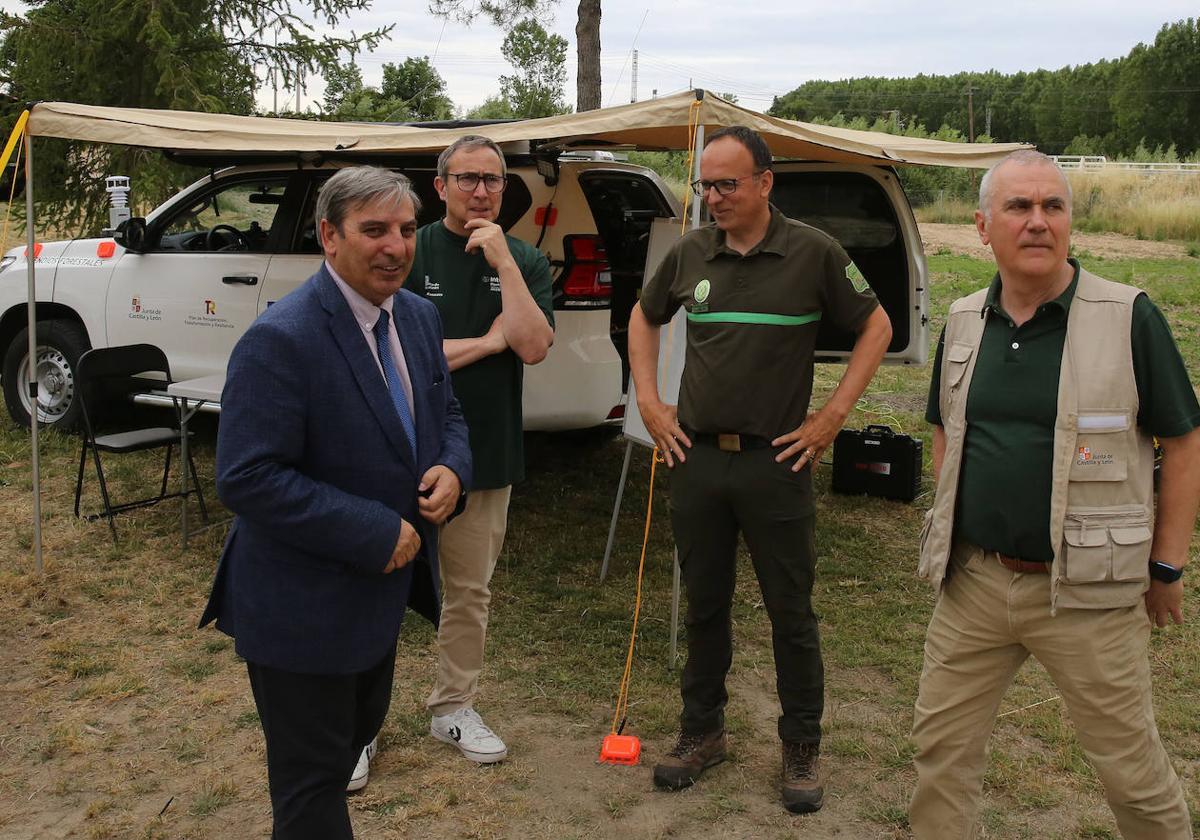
(802, 791)
(691, 756)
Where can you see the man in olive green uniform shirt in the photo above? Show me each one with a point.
(494, 296)
(1044, 534)
(756, 286)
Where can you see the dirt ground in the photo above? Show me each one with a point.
(963, 239)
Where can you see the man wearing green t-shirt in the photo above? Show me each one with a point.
(494, 295)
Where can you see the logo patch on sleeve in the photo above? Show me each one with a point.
(856, 278)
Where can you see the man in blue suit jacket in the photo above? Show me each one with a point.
(341, 450)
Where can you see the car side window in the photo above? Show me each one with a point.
(237, 217)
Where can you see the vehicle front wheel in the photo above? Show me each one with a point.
(60, 343)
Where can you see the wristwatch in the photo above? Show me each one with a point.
(1164, 572)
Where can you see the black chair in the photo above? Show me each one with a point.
(104, 378)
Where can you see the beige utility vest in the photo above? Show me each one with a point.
(1102, 496)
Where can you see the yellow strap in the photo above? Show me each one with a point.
(14, 138)
(12, 190)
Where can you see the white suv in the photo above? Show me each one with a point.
(210, 259)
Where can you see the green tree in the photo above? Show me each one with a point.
(1150, 94)
(204, 55)
(1157, 99)
(418, 89)
(343, 84)
(540, 58)
(492, 108)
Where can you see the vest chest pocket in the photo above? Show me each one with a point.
(1101, 447)
(1106, 544)
(954, 370)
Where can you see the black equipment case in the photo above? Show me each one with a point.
(878, 462)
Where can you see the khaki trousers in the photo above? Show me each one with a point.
(467, 552)
(988, 620)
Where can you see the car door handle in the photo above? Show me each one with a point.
(244, 279)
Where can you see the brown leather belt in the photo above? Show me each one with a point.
(1028, 567)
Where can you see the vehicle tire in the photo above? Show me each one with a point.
(60, 343)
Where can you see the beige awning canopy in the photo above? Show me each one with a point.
(658, 124)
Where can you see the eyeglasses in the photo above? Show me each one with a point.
(468, 181)
(724, 186)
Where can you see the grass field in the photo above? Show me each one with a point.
(124, 721)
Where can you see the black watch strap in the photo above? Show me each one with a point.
(1164, 572)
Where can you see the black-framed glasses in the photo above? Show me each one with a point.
(469, 181)
(723, 186)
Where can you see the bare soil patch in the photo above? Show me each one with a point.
(963, 239)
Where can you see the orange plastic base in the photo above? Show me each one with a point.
(620, 749)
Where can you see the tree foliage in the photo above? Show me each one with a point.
(202, 55)
(411, 91)
(420, 89)
(493, 108)
(540, 59)
(1150, 97)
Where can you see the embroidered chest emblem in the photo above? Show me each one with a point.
(702, 290)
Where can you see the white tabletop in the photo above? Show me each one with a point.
(206, 388)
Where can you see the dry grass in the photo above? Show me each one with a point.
(1160, 207)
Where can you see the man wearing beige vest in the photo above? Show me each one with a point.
(1044, 537)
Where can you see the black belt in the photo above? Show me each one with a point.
(728, 442)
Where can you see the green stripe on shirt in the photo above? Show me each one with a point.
(753, 318)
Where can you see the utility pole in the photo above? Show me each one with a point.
(971, 111)
(633, 82)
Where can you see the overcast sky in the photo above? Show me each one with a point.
(759, 49)
(763, 48)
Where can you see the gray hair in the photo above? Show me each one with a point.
(355, 186)
(469, 142)
(1023, 157)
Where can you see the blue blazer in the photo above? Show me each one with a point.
(312, 458)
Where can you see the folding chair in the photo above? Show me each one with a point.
(107, 374)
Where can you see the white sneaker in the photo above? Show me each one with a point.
(362, 770)
(467, 731)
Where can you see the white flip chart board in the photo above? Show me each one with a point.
(663, 234)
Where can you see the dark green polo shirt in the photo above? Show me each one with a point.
(1006, 474)
(466, 291)
(753, 322)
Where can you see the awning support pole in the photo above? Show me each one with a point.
(30, 259)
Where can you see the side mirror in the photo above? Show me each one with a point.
(131, 234)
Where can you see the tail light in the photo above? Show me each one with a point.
(588, 274)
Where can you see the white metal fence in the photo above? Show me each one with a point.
(1099, 163)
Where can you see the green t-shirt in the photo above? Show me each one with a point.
(466, 291)
(1005, 477)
